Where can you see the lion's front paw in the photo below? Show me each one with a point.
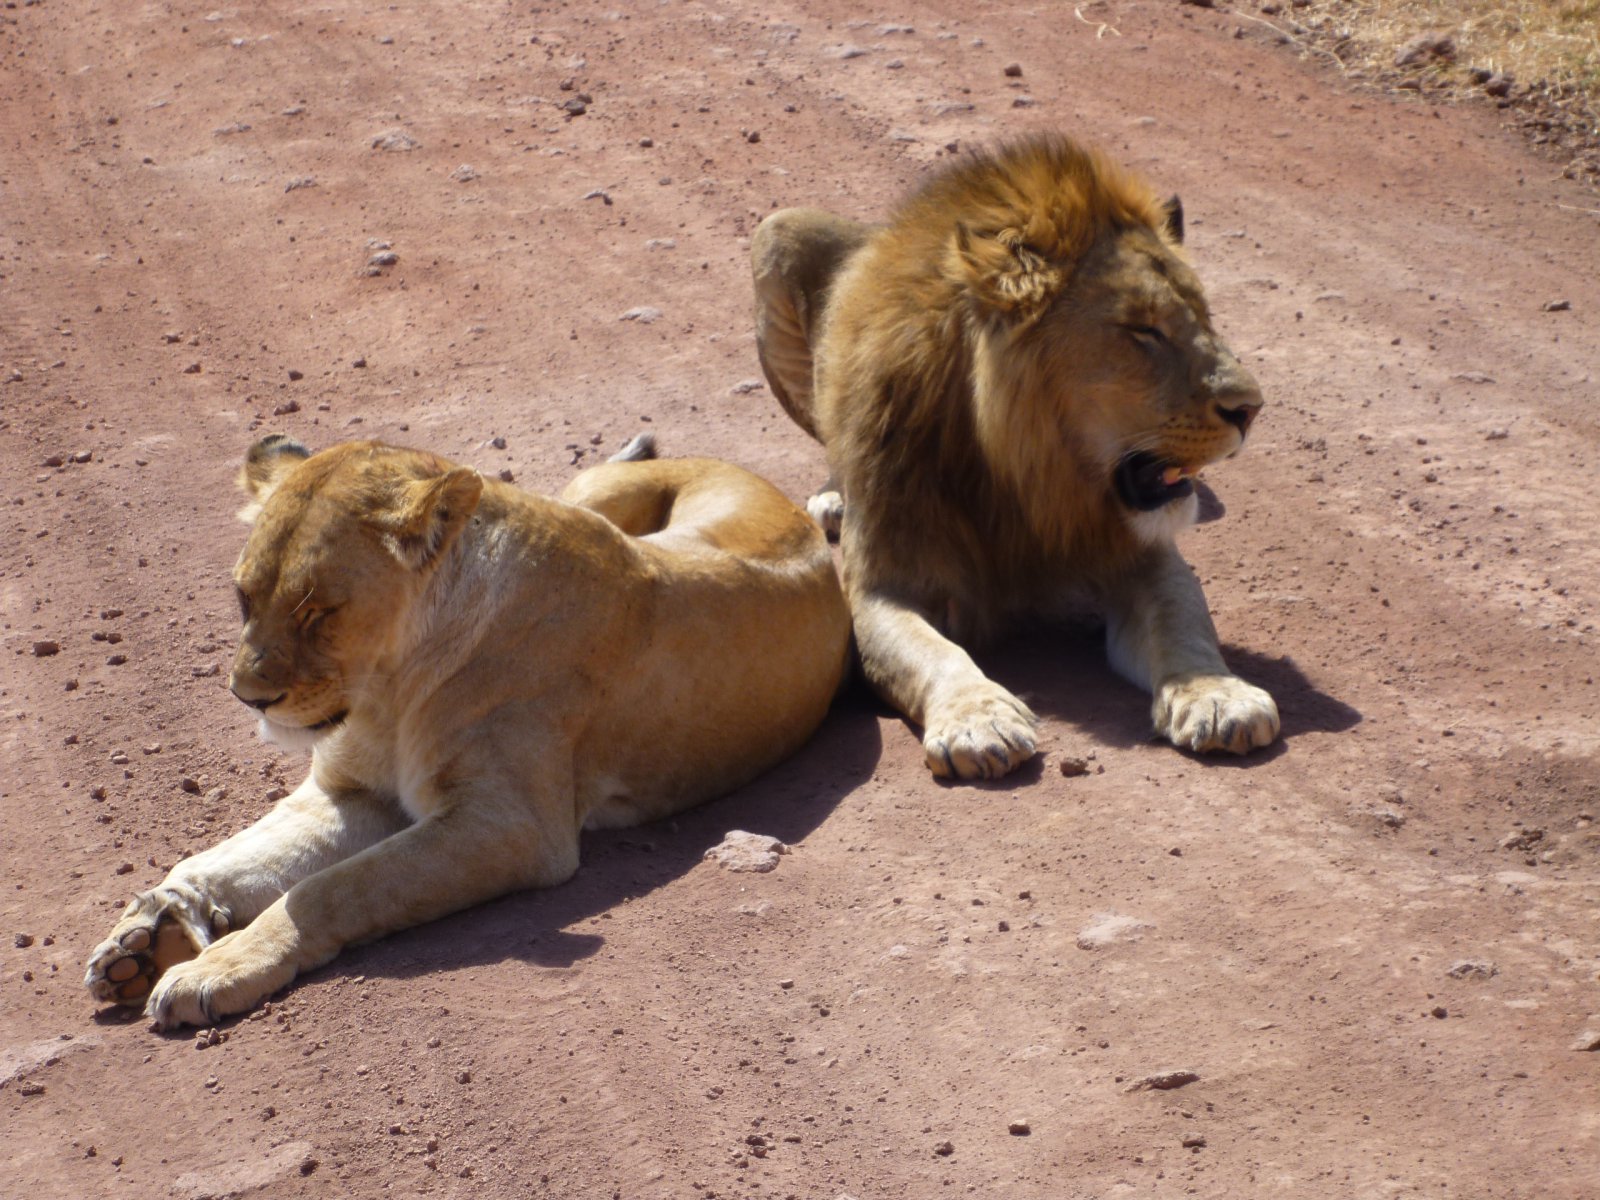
(983, 734)
(232, 975)
(158, 930)
(1215, 712)
(827, 510)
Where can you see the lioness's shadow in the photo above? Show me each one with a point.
(1061, 670)
(545, 926)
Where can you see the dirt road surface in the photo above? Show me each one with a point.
(1376, 946)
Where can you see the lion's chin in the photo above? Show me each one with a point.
(298, 737)
(1146, 483)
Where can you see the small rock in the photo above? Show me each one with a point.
(1497, 434)
(1013, 71)
(745, 386)
(192, 369)
(1019, 1129)
(741, 851)
(1558, 306)
(125, 869)
(1108, 928)
(753, 136)
(55, 460)
(22, 941)
(396, 141)
(945, 1149)
(300, 181)
(506, 476)
(599, 194)
(1522, 839)
(848, 52)
(359, 363)
(1438, 1012)
(287, 407)
(574, 108)
(190, 785)
(1588, 1040)
(464, 173)
(1073, 767)
(116, 660)
(1163, 1081)
(1499, 84)
(1194, 1142)
(46, 649)
(644, 314)
(1469, 968)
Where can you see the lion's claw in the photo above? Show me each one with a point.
(983, 735)
(1215, 712)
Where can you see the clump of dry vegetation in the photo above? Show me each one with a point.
(1540, 59)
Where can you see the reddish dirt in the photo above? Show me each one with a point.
(1409, 559)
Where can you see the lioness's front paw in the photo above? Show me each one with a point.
(1214, 712)
(232, 975)
(158, 930)
(827, 510)
(983, 734)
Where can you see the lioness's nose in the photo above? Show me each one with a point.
(260, 702)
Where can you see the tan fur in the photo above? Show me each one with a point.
(483, 673)
(977, 369)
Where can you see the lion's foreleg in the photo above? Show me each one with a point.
(972, 727)
(226, 887)
(469, 849)
(1159, 634)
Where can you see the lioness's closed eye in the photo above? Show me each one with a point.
(1016, 381)
(398, 612)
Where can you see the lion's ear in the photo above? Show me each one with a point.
(265, 466)
(1003, 271)
(430, 514)
(1173, 210)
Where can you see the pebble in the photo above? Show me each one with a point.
(1468, 968)
(1163, 1081)
(1194, 1142)
(383, 258)
(190, 785)
(287, 407)
(745, 386)
(192, 369)
(741, 851)
(396, 140)
(644, 314)
(1587, 1041)
(1019, 1129)
(22, 941)
(46, 649)
(1558, 306)
(945, 1149)
(1073, 767)
(1013, 71)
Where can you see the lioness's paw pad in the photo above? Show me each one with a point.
(827, 510)
(157, 931)
(232, 975)
(982, 735)
(1215, 712)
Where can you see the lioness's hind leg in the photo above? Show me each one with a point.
(158, 929)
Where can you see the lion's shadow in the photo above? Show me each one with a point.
(1062, 672)
(548, 927)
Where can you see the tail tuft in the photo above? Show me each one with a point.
(639, 449)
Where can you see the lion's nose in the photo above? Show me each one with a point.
(1239, 416)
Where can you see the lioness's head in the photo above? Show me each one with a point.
(340, 546)
(1091, 333)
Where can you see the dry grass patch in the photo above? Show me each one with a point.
(1539, 58)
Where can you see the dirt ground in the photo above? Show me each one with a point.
(1376, 946)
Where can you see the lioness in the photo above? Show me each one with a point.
(1016, 381)
(483, 673)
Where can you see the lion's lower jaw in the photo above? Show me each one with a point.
(1165, 523)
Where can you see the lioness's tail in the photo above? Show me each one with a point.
(639, 448)
(795, 257)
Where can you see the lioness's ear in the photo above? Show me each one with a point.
(265, 466)
(1002, 270)
(1173, 208)
(431, 514)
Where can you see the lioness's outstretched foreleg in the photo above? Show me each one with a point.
(226, 887)
(972, 727)
(466, 851)
(1159, 634)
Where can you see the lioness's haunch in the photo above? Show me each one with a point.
(1016, 381)
(482, 673)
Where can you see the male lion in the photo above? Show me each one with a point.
(1016, 381)
(484, 673)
